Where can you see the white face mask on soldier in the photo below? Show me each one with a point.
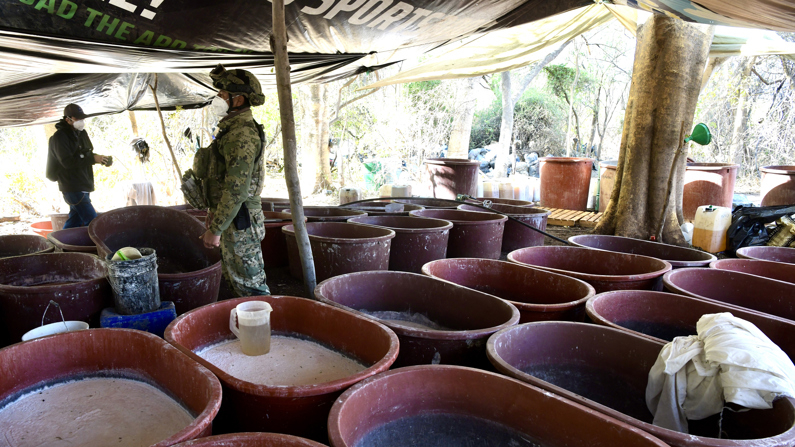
(219, 107)
(79, 125)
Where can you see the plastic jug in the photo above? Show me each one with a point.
(710, 226)
(491, 189)
(506, 190)
(254, 323)
(401, 190)
(350, 195)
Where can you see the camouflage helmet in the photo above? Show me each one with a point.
(238, 82)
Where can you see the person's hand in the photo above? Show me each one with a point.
(208, 220)
(102, 159)
(210, 240)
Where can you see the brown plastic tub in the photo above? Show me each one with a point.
(474, 235)
(768, 269)
(123, 353)
(735, 289)
(456, 406)
(661, 316)
(678, 257)
(378, 208)
(430, 204)
(445, 178)
(274, 203)
(500, 201)
(607, 181)
(775, 254)
(606, 369)
(778, 185)
(250, 440)
(410, 304)
(539, 295)
(516, 235)
(707, 184)
(274, 245)
(296, 410)
(188, 273)
(565, 182)
(24, 244)
(73, 240)
(418, 240)
(604, 270)
(327, 213)
(341, 247)
(76, 281)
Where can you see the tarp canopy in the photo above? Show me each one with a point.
(103, 54)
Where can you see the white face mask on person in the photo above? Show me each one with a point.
(219, 107)
(79, 125)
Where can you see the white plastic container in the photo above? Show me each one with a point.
(491, 189)
(401, 191)
(536, 190)
(348, 195)
(480, 189)
(710, 226)
(251, 323)
(54, 328)
(506, 190)
(385, 191)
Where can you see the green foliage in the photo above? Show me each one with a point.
(486, 125)
(561, 77)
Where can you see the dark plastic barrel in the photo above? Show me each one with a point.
(274, 245)
(251, 440)
(24, 244)
(775, 254)
(708, 184)
(378, 208)
(607, 370)
(327, 213)
(768, 269)
(445, 178)
(430, 204)
(73, 240)
(539, 295)
(565, 182)
(418, 240)
(604, 270)
(678, 257)
(134, 283)
(274, 203)
(474, 235)
(778, 185)
(501, 201)
(516, 235)
(341, 247)
(607, 181)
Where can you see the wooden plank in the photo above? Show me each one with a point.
(569, 214)
(9, 218)
(592, 221)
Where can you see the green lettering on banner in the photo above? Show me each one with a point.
(163, 41)
(104, 24)
(92, 14)
(124, 29)
(145, 38)
(49, 4)
(178, 44)
(27, 2)
(72, 9)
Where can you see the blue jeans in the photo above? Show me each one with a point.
(81, 211)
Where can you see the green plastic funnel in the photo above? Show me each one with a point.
(700, 135)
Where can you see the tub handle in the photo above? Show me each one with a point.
(63, 320)
(233, 322)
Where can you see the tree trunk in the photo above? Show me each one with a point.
(669, 62)
(133, 123)
(317, 131)
(458, 145)
(506, 127)
(741, 114)
(567, 141)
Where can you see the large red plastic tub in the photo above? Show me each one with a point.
(296, 410)
(327, 213)
(607, 181)
(378, 208)
(73, 240)
(775, 254)
(251, 440)
(417, 240)
(516, 235)
(538, 294)
(341, 247)
(445, 178)
(501, 201)
(604, 270)
(565, 182)
(474, 235)
(735, 289)
(778, 185)
(429, 203)
(188, 273)
(76, 281)
(274, 245)
(662, 316)
(606, 369)
(122, 353)
(772, 270)
(24, 244)
(678, 257)
(457, 406)
(436, 321)
(707, 184)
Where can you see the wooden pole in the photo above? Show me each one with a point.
(282, 66)
(165, 135)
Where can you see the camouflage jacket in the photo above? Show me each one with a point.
(232, 174)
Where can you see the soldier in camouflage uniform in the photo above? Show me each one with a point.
(233, 174)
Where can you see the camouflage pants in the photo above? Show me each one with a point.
(241, 256)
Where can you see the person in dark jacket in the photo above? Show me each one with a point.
(70, 161)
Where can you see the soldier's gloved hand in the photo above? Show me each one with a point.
(210, 240)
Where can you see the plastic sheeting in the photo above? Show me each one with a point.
(729, 360)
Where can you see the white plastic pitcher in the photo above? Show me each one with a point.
(253, 327)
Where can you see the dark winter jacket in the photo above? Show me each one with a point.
(70, 159)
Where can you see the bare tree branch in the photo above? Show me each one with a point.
(528, 78)
(341, 106)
